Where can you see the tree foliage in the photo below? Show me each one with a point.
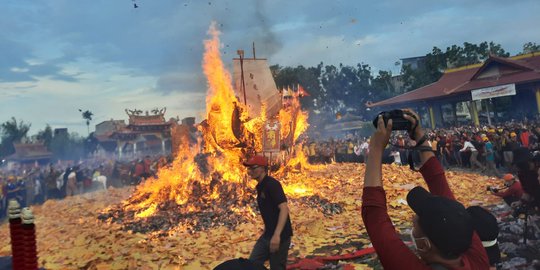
(437, 61)
(66, 146)
(12, 132)
(87, 115)
(530, 47)
(45, 136)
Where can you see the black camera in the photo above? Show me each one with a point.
(398, 121)
(492, 189)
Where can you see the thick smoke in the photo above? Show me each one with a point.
(266, 41)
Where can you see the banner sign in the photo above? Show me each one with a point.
(271, 140)
(495, 91)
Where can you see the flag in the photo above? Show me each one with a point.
(302, 92)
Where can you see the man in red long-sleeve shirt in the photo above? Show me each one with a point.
(442, 229)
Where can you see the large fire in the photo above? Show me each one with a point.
(206, 183)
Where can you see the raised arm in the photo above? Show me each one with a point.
(379, 140)
(430, 167)
(418, 136)
(379, 227)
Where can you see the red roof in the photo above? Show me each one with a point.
(104, 137)
(26, 152)
(518, 69)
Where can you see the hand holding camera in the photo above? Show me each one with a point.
(381, 136)
(398, 120)
(402, 120)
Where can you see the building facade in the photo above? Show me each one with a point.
(497, 90)
(144, 134)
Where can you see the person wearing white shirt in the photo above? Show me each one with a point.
(468, 146)
(397, 157)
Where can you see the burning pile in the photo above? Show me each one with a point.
(206, 184)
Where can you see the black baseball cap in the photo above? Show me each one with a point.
(445, 222)
(485, 225)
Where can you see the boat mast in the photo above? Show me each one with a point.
(243, 83)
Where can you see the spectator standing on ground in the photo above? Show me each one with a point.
(442, 151)
(21, 192)
(364, 149)
(39, 198)
(12, 189)
(468, 146)
(50, 184)
(456, 147)
(490, 158)
(274, 243)
(71, 186)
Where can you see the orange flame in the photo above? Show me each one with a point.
(178, 181)
(198, 171)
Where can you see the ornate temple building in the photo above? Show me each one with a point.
(145, 133)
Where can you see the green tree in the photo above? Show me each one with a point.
(530, 47)
(67, 146)
(46, 136)
(437, 61)
(383, 84)
(87, 115)
(12, 132)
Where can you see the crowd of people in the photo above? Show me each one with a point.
(33, 184)
(493, 150)
(487, 149)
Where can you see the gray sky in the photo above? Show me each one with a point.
(57, 56)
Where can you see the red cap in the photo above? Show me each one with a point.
(508, 177)
(256, 160)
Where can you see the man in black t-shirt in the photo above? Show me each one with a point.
(274, 244)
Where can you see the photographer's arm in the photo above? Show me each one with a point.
(430, 167)
(419, 134)
(378, 141)
(392, 252)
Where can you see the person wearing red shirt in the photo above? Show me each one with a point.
(442, 232)
(528, 172)
(147, 163)
(513, 191)
(524, 137)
